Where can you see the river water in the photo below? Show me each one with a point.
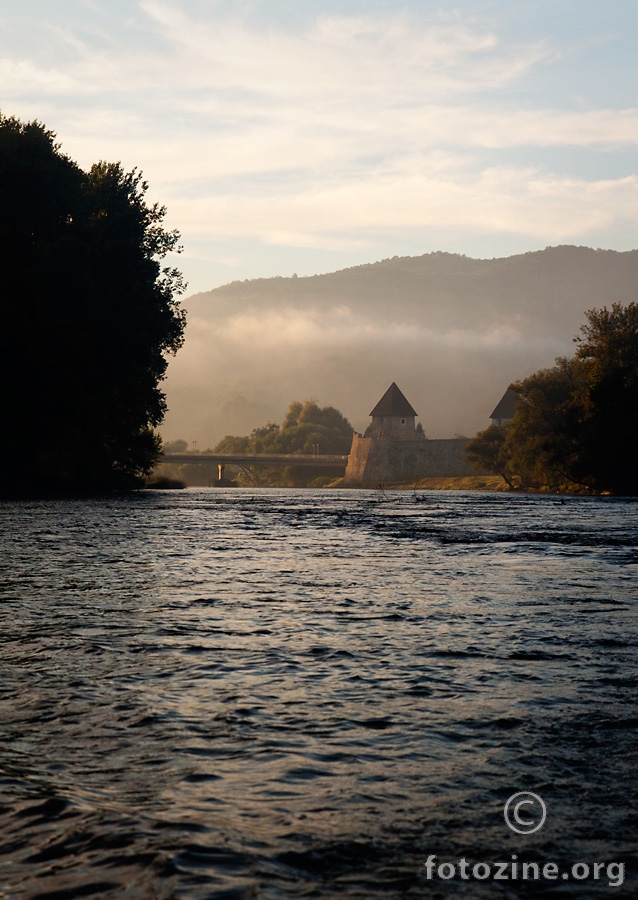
(305, 694)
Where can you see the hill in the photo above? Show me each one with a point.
(450, 330)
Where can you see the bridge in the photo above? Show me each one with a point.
(247, 461)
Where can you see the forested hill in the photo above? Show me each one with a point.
(453, 332)
(546, 288)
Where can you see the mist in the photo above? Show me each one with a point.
(453, 332)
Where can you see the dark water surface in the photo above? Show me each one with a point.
(282, 694)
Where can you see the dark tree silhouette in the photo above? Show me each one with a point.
(577, 423)
(543, 440)
(607, 399)
(88, 315)
(486, 452)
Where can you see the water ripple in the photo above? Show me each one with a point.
(293, 694)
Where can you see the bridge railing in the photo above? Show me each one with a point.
(195, 455)
(305, 460)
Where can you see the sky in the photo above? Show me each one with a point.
(294, 136)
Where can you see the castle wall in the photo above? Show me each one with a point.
(380, 461)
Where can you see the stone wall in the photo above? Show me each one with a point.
(378, 461)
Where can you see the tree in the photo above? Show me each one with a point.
(291, 418)
(89, 315)
(542, 444)
(305, 427)
(486, 452)
(576, 423)
(607, 399)
(178, 446)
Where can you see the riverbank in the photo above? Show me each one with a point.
(435, 483)
(462, 483)
(465, 483)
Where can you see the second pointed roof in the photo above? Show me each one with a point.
(393, 403)
(506, 406)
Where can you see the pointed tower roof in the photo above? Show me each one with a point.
(506, 406)
(393, 403)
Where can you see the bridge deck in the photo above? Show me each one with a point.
(325, 461)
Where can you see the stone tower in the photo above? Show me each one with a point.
(394, 450)
(393, 418)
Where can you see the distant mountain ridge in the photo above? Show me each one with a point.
(452, 331)
(457, 288)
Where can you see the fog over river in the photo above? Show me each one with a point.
(292, 694)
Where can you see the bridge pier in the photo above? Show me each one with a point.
(220, 472)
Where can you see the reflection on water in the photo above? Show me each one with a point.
(304, 694)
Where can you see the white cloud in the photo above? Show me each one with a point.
(379, 58)
(225, 65)
(327, 135)
(412, 195)
(23, 76)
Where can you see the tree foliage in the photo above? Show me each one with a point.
(576, 423)
(607, 399)
(486, 452)
(178, 446)
(542, 440)
(89, 315)
(306, 428)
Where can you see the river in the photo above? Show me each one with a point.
(254, 695)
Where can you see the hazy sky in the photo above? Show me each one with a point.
(298, 136)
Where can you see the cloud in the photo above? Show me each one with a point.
(24, 76)
(414, 195)
(234, 72)
(382, 58)
(331, 134)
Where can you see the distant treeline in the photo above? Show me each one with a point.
(576, 424)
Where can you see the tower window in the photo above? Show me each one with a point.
(403, 421)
